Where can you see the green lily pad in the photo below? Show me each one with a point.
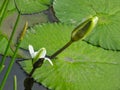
(10, 8)
(3, 45)
(11, 5)
(80, 67)
(107, 32)
(32, 6)
(45, 36)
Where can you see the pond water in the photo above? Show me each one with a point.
(21, 75)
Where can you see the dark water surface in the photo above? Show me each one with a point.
(16, 70)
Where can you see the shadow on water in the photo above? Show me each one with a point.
(21, 76)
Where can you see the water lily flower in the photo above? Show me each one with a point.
(39, 54)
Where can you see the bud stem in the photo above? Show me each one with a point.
(61, 49)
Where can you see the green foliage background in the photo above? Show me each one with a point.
(82, 66)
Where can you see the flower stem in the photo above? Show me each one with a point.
(13, 58)
(15, 83)
(9, 42)
(3, 10)
(61, 49)
(32, 71)
(9, 67)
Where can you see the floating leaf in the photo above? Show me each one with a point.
(79, 67)
(44, 35)
(11, 5)
(107, 32)
(32, 6)
(10, 8)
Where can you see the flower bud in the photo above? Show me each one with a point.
(84, 29)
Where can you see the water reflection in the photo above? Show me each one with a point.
(28, 83)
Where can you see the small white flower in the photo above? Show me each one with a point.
(42, 54)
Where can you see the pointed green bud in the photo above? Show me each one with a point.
(82, 30)
(24, 31)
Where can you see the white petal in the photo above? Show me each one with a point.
(49, 61)
(43, 53)
(35, 53)
(31, 50)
